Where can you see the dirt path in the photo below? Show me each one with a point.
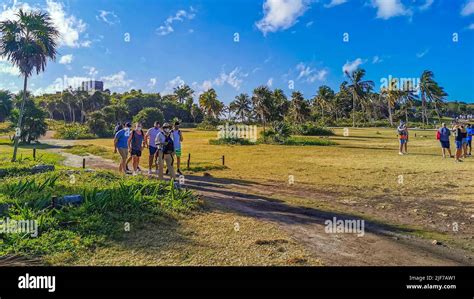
(381, 245)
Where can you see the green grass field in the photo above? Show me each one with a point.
(362, 175)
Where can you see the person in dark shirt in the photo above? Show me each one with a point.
(136, 143)
(458, 133)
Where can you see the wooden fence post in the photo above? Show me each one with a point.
(84, 163)
(223, 160)
(34, 153)
(189, 160)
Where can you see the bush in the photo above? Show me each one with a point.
(73, 131)
(310, 129)
(108, 200)
(148, 116)
(278, 133)
(34, 122)
(98, 126)
(209, 124)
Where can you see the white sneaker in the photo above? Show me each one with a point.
(134, 173)
(400, 153)
(150, 172)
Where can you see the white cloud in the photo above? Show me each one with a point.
(8, 69)
(387, 9)
(427, 5)
(309, 74)
(108, 17)
(421, 54)
(468, 8)
(281, 14)
(170, 85)
(68, 26)
(309, 24)
(270, 82)
(376, 59)
(351, 66)
(91, 71)
(180, 16)
(471, 27)
(66, 59)
(234, 78)
(152, 82)
(335, 3)
(117, 80)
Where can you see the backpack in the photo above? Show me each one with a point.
(169, 147)
(438, 135)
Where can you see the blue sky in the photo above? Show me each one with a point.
(237, 45)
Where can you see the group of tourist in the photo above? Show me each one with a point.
(163, 143)
(462, 136)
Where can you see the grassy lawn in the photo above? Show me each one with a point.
(163, 229)
(363, 174)
(365, 163)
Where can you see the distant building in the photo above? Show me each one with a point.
(92, 86)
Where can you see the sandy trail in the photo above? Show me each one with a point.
(380, 245)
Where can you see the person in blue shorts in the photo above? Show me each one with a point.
(121, 146)
(470, 132)
(457, 129)
(444, 134)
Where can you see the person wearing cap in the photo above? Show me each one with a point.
(165, 143)
(121, 146)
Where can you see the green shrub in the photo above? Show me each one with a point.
(279, 133)
(73, 131)
(310, 129)
(98, 126)
(208, 124)
(109, 201)
(148, 116)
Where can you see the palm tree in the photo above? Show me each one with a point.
(358, 89)
(183, 93)
(324, 98)
(210, 104)
(408, 96)
(6, 104)
(241, 106)
(430, 92)
(299, 107)
(261, 99)
(28, 43)
(392, 95)
(279, 105)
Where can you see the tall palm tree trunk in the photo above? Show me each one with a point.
(20, 118)
(390, 114)
(353, 112)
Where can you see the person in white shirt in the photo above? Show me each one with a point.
(164, 141)
(152, 147)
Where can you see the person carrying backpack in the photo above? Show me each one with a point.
(164, 141)
(443, 137)
(136, 143)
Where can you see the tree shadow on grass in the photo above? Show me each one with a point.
(269, 209)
